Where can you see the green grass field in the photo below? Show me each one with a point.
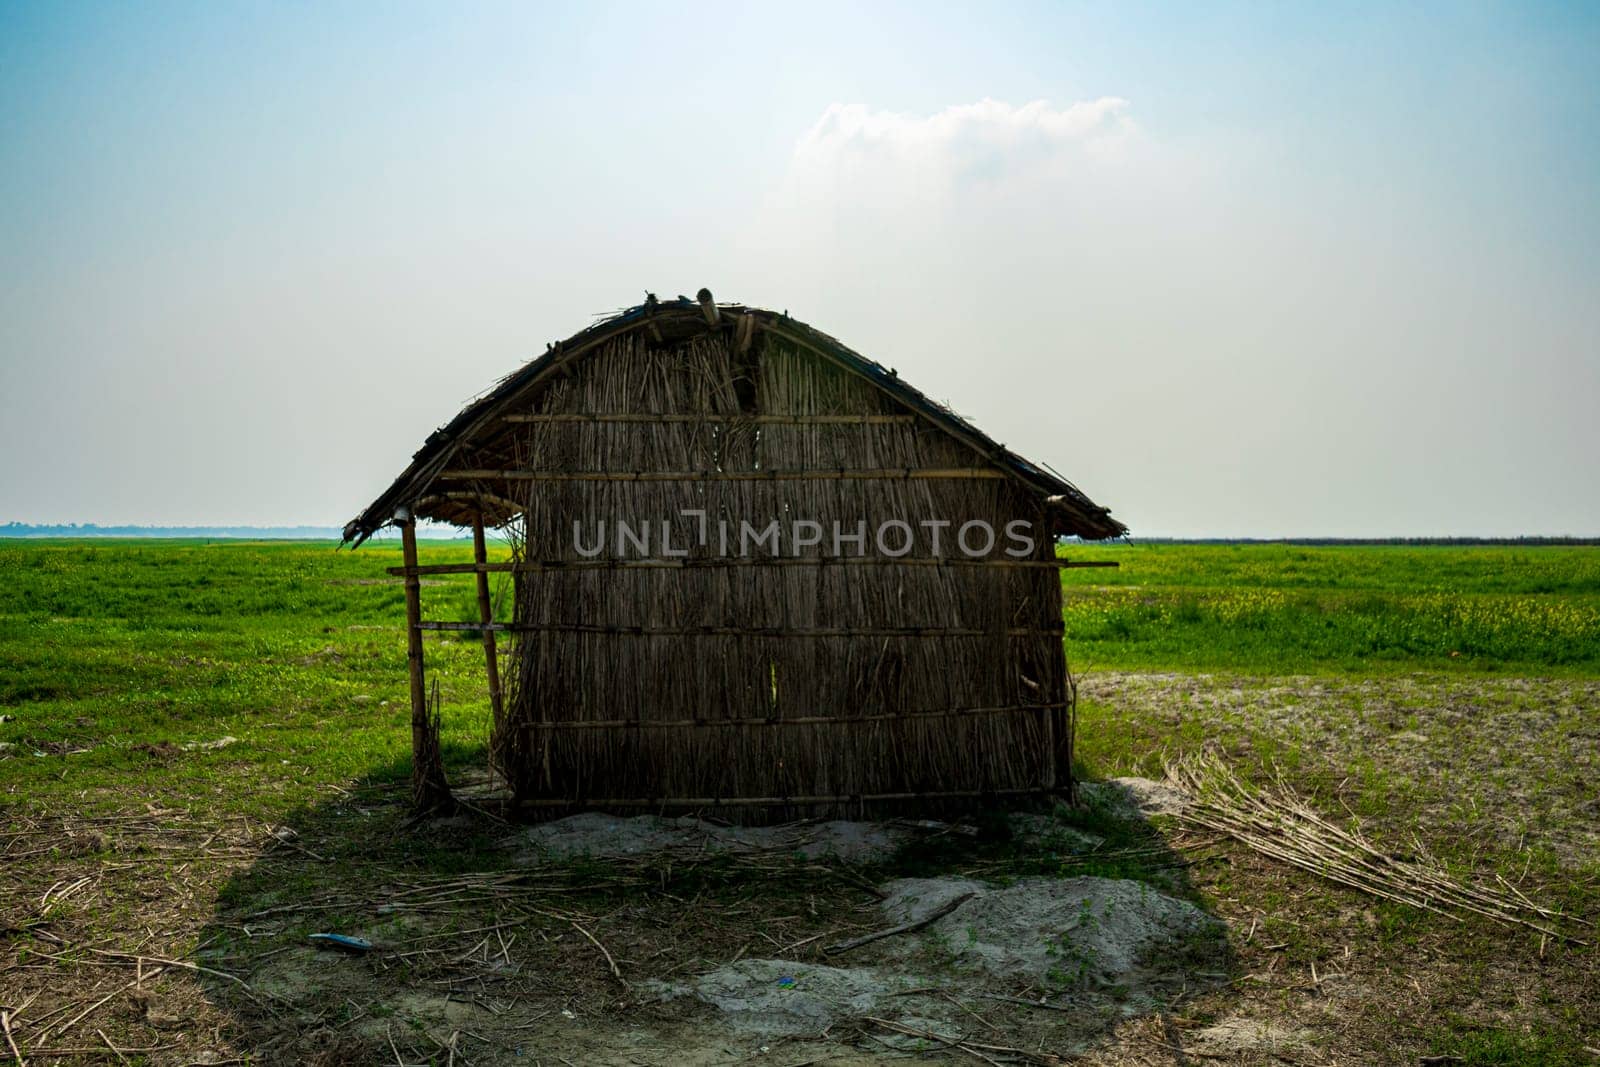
(1282, 609)
(1446, 698)
(148, 641)
(112, 645)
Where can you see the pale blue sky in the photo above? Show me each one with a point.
(1252, 269)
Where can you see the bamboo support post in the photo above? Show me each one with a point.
(419, 691)
(428, 789)
(1047, 716)
(1066, 737)
(480, 554)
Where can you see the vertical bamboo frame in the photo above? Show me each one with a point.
(426, 775)
(480, 553)
(414, 664)
(1063, 728)
(429, 792)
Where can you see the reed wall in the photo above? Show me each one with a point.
(915, 655)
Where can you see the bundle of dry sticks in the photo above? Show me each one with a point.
(1277, 822)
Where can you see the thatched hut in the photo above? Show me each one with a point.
(751, 570)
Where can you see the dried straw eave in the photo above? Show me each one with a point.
(480, 436)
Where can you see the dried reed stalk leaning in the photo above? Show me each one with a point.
(1274, 820)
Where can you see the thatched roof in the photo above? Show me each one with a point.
(478, 436)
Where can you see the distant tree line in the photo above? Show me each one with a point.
(249, 533)
(91, 529)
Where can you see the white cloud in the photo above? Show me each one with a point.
(987, 141)
(871, 182)
(1017, 259)
(872, 192)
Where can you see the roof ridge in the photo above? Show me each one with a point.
(1088, 518)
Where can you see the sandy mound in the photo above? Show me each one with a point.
(609, 836)
(1055, 931)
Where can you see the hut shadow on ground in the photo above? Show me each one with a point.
(658, 940)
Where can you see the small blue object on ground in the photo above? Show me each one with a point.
(340, 941)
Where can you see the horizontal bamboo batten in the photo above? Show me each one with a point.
(831, 474)
(758, 420)
(535, 566)
(770, 802)
(793, 720)
(472, 496)
(837, 474)
(732, 631)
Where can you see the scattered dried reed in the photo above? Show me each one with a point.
(1275, 821)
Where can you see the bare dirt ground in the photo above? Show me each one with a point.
(155, 934)
(756, 963)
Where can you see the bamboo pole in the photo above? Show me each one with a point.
(1048, 716)
(1061, 719)
(414, 662)
(832, 475)
(480, 553)
(527, 566)
(792, 720)
(733, 631)
(760, 420)
(763, 802)
(467, 496)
